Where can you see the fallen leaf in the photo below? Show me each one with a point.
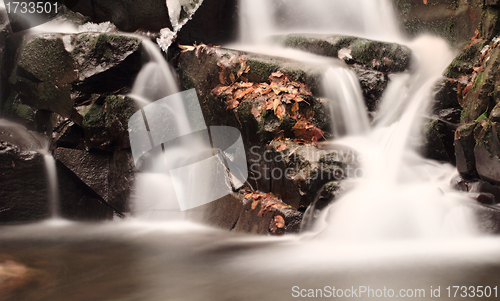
(256, 112)
(295, 108)
(254, 204)
(280, 111)
(279, 221)
(344, 53)
(277, 74)
(186, 48)
(282, 147)
(232, 103)
(232, 78)
(276, 103)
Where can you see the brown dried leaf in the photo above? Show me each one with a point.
(232, 103)
(256, 112)
(254, 204)
(295, 108)
(276, 103)
(279, 221)
(277, 74)
(281, 147)
(280, 111)
(186, 48)
(217, 91)
(232, 78)
(222, 78)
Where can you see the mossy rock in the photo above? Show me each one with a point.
(46, 59)
(15, 110)
(391, 57)
(482, 97)
(465, 61)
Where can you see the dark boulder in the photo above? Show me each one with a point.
(487, 152)
(24, 195)
(375, 55)
(464, 150)
(127, 15)
(455, 21)
(215, 22)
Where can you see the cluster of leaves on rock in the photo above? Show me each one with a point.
(268, 202)
(466, 80)
(281, 96)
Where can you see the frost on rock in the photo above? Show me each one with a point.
(101, 27)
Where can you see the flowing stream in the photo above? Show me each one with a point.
(400, 222)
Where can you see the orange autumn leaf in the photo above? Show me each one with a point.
(254, 204)
(256, 112)
(232, 103)
(280, 111)
(279, 221)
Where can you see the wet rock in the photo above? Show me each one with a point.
(466, 60)
(54, 71)
(464, 150)
(375, 55)
(44, 74)
(121, 179)
(200, 70)
(110, 177)
(23, 193)
(127, 15)
(297, 172)
(91, 168)
(487, 152)
(438, 139)
(106, 122)
(15, 110)
(328, 194)
(23, 182)
(215, 22)
(234, 212)
(373, 84)
(105, 62)
(454, 20)
(258, 218)
(446, 106)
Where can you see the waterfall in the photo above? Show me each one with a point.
(373, 19)
(346, 105)
(401, 194)
(52, 186)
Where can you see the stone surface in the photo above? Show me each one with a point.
(464, 150)
(375, 55)
(234, 212)
(454, 20)
(127, 15)
(23, 182)
(200, 70)
(215, 22)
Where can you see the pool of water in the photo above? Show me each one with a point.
(184, 261)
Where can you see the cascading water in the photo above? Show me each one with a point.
(52, 187)
(401, 194)
(364, 18)
(347, 107)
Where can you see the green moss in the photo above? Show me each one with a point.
(118, 108)
(263, 70)
(94, 117)
(465, 61)
(14, 109)
(46, 59)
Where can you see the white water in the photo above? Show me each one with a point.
(52, 186)
(347, 106)
(401, 195)
(365, 18)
